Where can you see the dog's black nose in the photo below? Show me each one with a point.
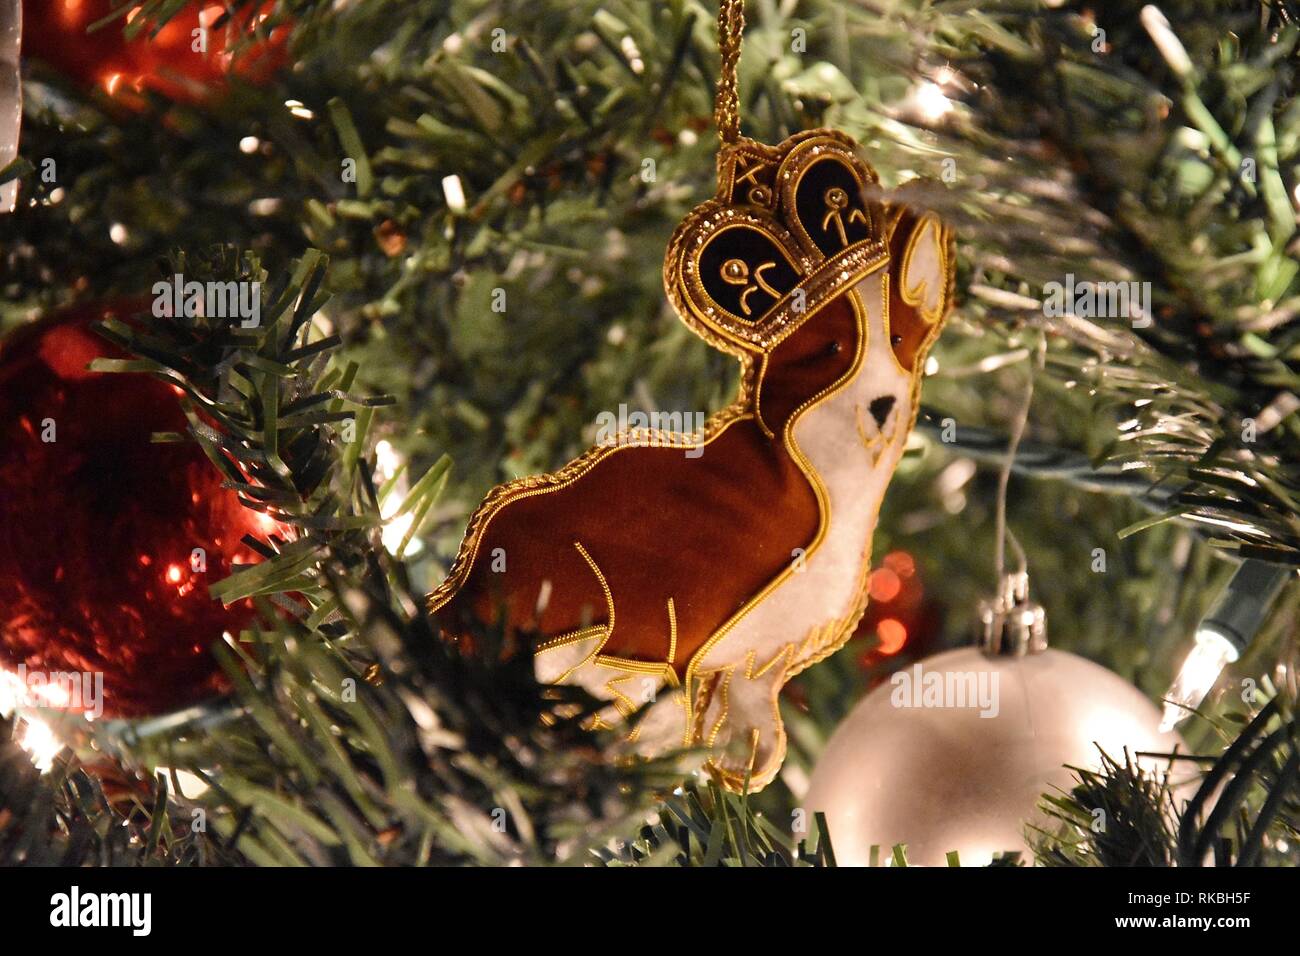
(880, 409)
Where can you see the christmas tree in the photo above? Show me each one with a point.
(290, 286)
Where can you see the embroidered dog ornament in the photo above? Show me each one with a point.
(694, 585)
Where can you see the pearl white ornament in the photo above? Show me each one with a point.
(907, 766)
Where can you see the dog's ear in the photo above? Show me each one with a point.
(921, 251)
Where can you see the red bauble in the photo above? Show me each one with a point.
(99, 526)
(55, 31)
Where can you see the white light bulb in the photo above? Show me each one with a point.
(31, 733)
(1199, 673)
(388, 462)
(189, 785)
(454, 192)
(931, 102)
(40, 742)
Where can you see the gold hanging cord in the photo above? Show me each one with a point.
(726, 108)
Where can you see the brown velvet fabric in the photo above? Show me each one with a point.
(708, 532)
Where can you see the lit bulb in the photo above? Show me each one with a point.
(189, 785)
(931, 102)
(389, 462)
(454, 191)
(1199, 673)
(40, 742)
(395, 531)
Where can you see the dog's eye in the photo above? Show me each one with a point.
(895, 339)
(834, 348)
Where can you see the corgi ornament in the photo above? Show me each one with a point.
(687, 578)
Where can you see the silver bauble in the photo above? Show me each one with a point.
(967, 775)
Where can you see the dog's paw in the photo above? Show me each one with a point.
(741, 725)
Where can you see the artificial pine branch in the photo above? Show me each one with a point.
(356, 733)
(1243, 811)
(74, 815)
(1105, 164)
(1117, 816)
(1145, 159)
(706, 826)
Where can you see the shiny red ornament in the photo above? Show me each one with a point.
(99, 526)
(165, 62)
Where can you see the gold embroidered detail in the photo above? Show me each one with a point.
(736, 334)
(736, 272)
(802, 157)
(887, 319)
(756, 392)
(837, 200)
(572, 637)
(875, 444)
(629, 669)
(751, 659)
(710, 739)
(750, 172)
(585, 633)
(604, 585)
(754, 735)
(648, 668)
(916, 294)
(625, 705)
(740, 164)
(672, 637)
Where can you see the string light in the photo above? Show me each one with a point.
(189, 785)
(296, 108)
(1222, 636)
(931, 102)
(31, 733)
(40, 742)
(454, 193)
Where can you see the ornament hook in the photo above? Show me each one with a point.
(1011, 624)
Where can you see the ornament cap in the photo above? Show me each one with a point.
(1010, 624)
(1245, 602)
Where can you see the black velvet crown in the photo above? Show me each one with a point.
(791, 227)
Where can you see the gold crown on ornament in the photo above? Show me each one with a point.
(791, 227)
